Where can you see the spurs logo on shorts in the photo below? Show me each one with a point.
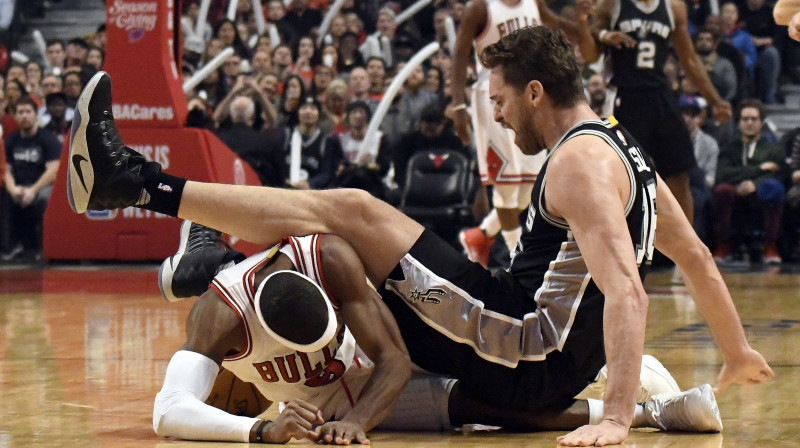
(427, 296)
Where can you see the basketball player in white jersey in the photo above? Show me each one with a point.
(500, 162)
(527, 339)
(277, 320)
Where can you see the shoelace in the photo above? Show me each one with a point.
(201, 237)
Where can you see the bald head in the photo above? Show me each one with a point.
(243, 110)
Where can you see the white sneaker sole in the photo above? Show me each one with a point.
(80, 173)
(167, 269)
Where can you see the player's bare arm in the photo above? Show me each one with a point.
(375, 331)
(691, 64)
(592, 197)
(676, 239)
(473, 20)
(594, 37)
(784, 10)
(553, 20)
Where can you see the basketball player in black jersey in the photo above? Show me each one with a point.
(527, 339)
(638, 36)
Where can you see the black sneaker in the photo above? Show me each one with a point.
(103, 173)
(201, 254)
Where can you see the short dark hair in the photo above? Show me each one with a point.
(54, 41)
(79, 42)
(541, 54)
(375, 58)
(25, 99)
(293, 307)
(753, 103)
(714, 34)
(431, 113)
(359, 105)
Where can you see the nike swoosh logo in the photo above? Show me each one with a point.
(77, 159)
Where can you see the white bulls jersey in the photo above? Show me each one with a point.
(503, 19)
(331, 378)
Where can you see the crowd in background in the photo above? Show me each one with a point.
(289, 84)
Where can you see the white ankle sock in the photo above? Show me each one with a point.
(641, 418)
(595, 411)
(511, 237)
(491, 224)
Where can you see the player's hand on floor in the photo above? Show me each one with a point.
(297, 420)
(749, 368)
(606, 433)
(342, 433)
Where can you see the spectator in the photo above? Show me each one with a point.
(337, 27)
(33, 78)
(376, 72)
(381, 43)
(434, 81)
(73, 85)
(214, 47)
(58, 124)
(757, 18)
(316, 165)
(304, 56)
(95, 58)
(330, 56)
(264, 114)
(364, 165)
(358, 84)
(261, 63)
(441, 59)
(268, 83)
(293, 90)
(231, 69)
(250, 144)
(355, 25)
(596, 93)
(32, 156)
(349, 56)
(282, 61)
(301, 18)
(751, 172)
(414, 98)
(322, 78)
(439, 20)
(336, 105)
(734, 34)
(225, 31)
(75, 54)
(720, 70)
(430, 136)
(14, 91)
(17, 72)
(99, 37)
(194, 40)
(277, 19)
(706, 152)
(55, 56)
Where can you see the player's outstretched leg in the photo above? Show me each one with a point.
(694, 410)
(202, 253)
(103, 173)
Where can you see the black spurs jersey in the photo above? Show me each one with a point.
(547, 261)
(651, 25)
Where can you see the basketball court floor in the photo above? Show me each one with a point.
(83, 350)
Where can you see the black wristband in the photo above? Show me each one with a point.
(260, 430)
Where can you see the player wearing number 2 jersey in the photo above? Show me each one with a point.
(638, 36)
